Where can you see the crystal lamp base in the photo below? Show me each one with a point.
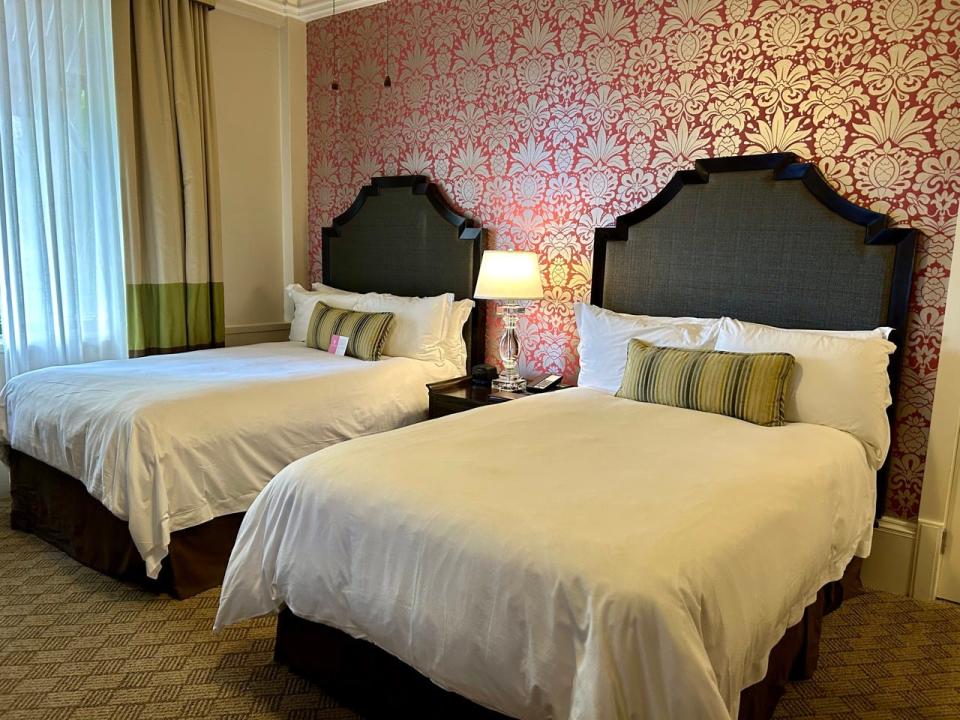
(511, 311)
(518, 384)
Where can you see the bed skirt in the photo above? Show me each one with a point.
(57, 508)
(379, 685)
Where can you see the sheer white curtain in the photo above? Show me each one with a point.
(61, 250)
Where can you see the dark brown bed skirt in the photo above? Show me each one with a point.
(377, 684)
(57, 508)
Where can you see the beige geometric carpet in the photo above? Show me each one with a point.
(883, 657)
(75, 645)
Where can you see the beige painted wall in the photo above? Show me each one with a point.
(256, 71)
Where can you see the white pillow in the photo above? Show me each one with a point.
(838, 380)
(454, 346)
(605, 335)
(418, 326)
(336, 297)
(883, 332)
(305, 300)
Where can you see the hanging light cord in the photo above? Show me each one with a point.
(336, 65)
(386, 80)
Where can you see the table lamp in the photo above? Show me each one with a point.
(509, 276)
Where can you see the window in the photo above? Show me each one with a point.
(61, 255)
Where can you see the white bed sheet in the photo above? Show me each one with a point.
(573, 555)
(172, 441)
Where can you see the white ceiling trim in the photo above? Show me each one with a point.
(254, 10)
(305, 10)
(313, 9)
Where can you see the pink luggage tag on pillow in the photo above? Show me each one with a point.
(338, 345)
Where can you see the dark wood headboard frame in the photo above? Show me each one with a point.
(402, 236)
(891, 274)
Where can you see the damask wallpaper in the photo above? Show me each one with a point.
(547, 118)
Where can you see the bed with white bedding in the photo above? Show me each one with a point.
(610, 559)
(172, 441)
(581, 555)
(142, 468)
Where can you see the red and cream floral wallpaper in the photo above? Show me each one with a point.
(544, 119)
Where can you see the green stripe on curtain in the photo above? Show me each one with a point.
(172, 317)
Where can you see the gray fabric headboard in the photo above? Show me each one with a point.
(401, 236)
(762, 238)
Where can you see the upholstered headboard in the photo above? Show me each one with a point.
(401, 236)
(762, 238)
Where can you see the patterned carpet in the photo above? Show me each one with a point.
(76, 645)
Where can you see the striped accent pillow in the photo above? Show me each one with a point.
(366, 332)
(748, 386)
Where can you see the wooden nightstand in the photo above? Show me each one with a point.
(453, 396)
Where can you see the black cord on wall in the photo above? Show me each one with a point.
(335, 85)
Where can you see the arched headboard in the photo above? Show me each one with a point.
(762, 238)
(402, 236)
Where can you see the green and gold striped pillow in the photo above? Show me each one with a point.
(366, 332)
(748, 386)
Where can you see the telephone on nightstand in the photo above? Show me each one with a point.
(544, 383)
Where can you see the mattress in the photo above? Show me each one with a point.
(570, 555)
(169, 442)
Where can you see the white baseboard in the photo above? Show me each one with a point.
(927, 560)
(251, 333)
(257, 327)
(891, 562)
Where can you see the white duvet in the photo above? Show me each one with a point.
(172, 441)
(573, 555)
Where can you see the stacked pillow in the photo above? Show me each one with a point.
(419, 327)
(605, 335)
(454, 347)
(839, 378)
(304, 302)
(429, 328)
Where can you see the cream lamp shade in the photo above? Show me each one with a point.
(509, 275)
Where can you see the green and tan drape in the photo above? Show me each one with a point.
(169, 175)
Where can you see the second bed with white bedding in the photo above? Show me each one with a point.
(169, 442)
(595, 558)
